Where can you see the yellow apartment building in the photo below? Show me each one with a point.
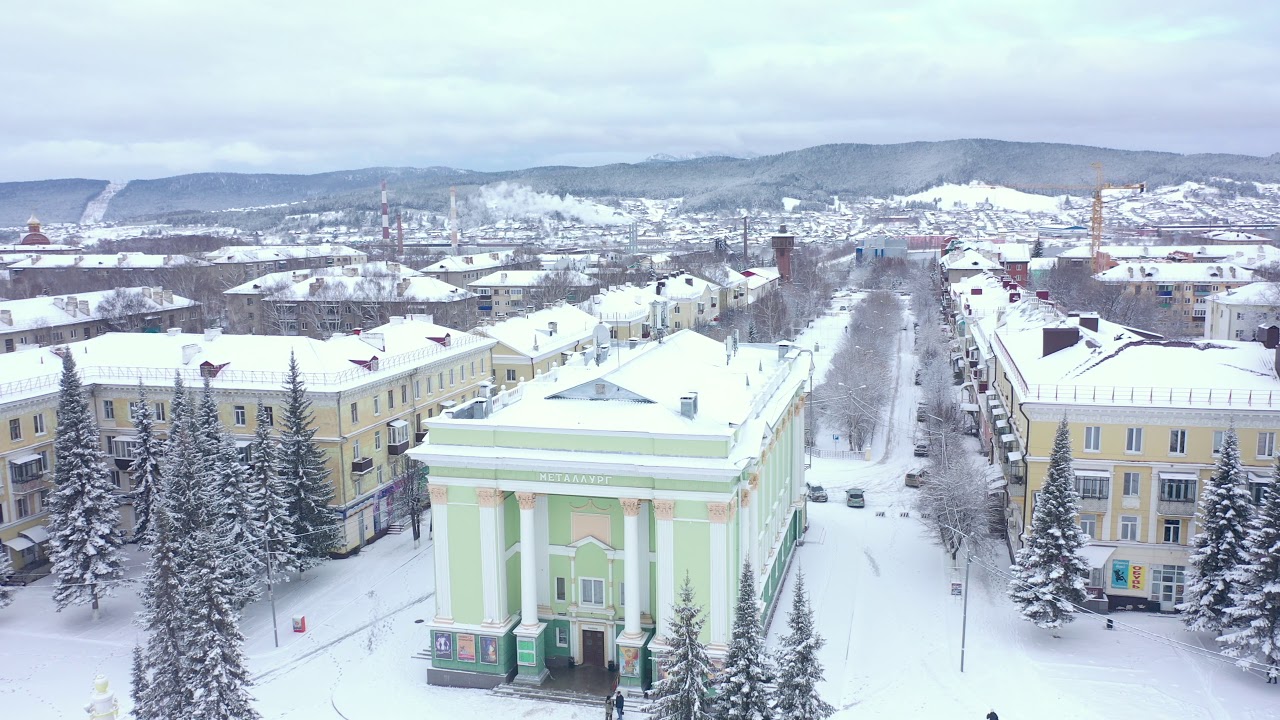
(531, 345)
(629, 312)
(1181, 287)
(694, 302)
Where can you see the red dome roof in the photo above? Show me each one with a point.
(35, 238)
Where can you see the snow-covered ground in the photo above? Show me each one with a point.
(880, 589)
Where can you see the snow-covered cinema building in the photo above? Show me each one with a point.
(568, 510)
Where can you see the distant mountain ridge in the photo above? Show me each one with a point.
(706, 183)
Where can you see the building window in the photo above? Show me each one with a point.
(20, 507)
(591, 591)
(1168, 583)
(355, 449)
(1266, 444)
(377, 405)
(242, 417)
(1178, 489)
(1093, 486)
(439, 382)
(355, 412)
(404, 394)
(1133, 440)
(481, 366)
(37, 425)
(109, 409)
(1129, 527)
(1177, 442)
(561, 589)
(15, 429)
(159, 412)
(1173, 532)
(1217, 441)
(1089, 525)
(115, 478)
(379, 474)
(511, 375)
(271, 415)
(1132, 484)
(450, 377)
(1258, 492)
(1092, 438)
(562, 636)
(391, 399)
(377, 440)
(417, 389)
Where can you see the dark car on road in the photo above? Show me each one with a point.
(817, 493)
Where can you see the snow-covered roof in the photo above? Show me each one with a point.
(1165, 272)
(37, 249)
(117, 260)
(968, 260)
(531, 335)
(1042, 263)
(984, 293)
(233, 254)
(1250, 256)
(278, 279)
(1234, 236)
(376, 288)
(1014, 252)
(682, 287)
(529, 278)
(468, 263)
(623, 304)
(246, 361)
(1258, 293)
(45, 311)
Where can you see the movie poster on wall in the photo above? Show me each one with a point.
(489, 650)
(444, 646)
(466, 647)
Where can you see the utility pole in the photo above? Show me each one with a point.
(964, 617)
(271, 595)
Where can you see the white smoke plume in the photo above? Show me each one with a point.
(519, 201)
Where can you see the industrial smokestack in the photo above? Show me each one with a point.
(453, 219)
(386, 214)
(399, 237)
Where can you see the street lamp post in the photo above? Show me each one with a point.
(964, 615)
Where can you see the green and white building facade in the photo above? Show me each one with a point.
(568, 510)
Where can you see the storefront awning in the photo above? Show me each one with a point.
(1014, 456)
(35, 534)
(1166, 475)
(18, 544)
(1097, 555)
(969, 407)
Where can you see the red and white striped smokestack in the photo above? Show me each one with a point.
(453, 218)
(386, 214)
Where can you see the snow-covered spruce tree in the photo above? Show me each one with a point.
(799, 670)
(236, 511)
(1255, 598)
(279, 549)
(741, 693)
(303, 471)
(214, 668)
(137, 677)
(144, 471)
(84, 513)
(1048, 577)
(1223, 517)
(6, 569)
(682, 694)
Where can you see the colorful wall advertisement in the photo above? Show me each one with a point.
(466, 647)
(1125, 576)
(1137, 577)
(444, 645)
(630, 661)
(489, 650)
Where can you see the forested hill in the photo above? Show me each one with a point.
(706, 183)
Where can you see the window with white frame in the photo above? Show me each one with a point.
(377, 405)
(1132, 484)
(159, 412)
(1092, 438)
(109, 409)
(1089, 525)
(1217, 441)
(1266, 444)
(1129, 527)
(1178, 488)
(1177, 442)
(590, 591)
(1173, 531)
(242, 417)
(1168, 583)
(377, 440)
(37, 424)
(1093, 486)
(562, 589)
(1133, 440)
(562, 636)
(398, 433)
(511, 375)
(417, 389)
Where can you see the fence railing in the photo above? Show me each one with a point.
(1154, 396)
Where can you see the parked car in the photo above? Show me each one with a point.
(922, 449)
(817, 493)
(916, 478)
(920, 413)
(917, 377)
(844, 307)
(855, 497)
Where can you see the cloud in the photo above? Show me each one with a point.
(141, 88)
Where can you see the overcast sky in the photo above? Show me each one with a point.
(130, 89)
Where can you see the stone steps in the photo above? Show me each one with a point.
(637, 707)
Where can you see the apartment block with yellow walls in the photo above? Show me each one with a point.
(531, 345)
(26, 478)
(630, 312)
(371, 395)
(1147, 417)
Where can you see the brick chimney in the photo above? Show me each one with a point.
(316, 285)
(1089, 321)
(84, 308)
(1058, 338)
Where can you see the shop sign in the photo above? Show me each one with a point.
(575, 478)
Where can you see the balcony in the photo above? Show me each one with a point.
(1176, 508)
(1095, 504)
(397, 437)
(360, 466)
(123, 451)
(26, 469)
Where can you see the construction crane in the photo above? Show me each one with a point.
(1095, 224)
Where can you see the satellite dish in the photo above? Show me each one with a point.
(601, 335)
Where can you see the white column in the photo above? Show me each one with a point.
(744, 525)
(631, 567)
(542, 526)
(440, 551)
(528, 561)
(797, 449)
(491, 564)
(719, 609)
(753, 530)
(664, 513)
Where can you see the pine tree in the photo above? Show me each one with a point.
(1255, 600)
(1048, 579)
(1037, 248)
(279, 548)
(144, 471)
(682, 694)
(138, 678)
(6, 569)
(740, 690)
(1223, 517)
(84, 513)
(799, 670)
(302, 468)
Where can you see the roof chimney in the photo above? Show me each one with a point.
(212, 334)
(552, 327)
(1042, 294)
(6, 317)
(1089, 321)
(189, 352)
(1058, 338)
(479, 409)
(784, 347)
(146, 292)
(689, 405)
(688, 281)
(1232, 270)
(57, 302)
(71, 305)
(316, 284)
(84, 308)
(1268, 335)
(168, 296)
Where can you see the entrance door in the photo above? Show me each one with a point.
(593, 648)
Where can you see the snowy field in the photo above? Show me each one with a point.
(880, 589)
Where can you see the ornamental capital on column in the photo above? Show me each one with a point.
(718, 512)
(664, 509)
(489, 497)
(439, 494)
(754, 480)
(630, 507)
(528, 501)
(733, 509)
(744, 497)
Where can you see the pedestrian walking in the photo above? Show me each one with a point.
(608, 707)
(992, 715)
(1273, 675)
(618, 702)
